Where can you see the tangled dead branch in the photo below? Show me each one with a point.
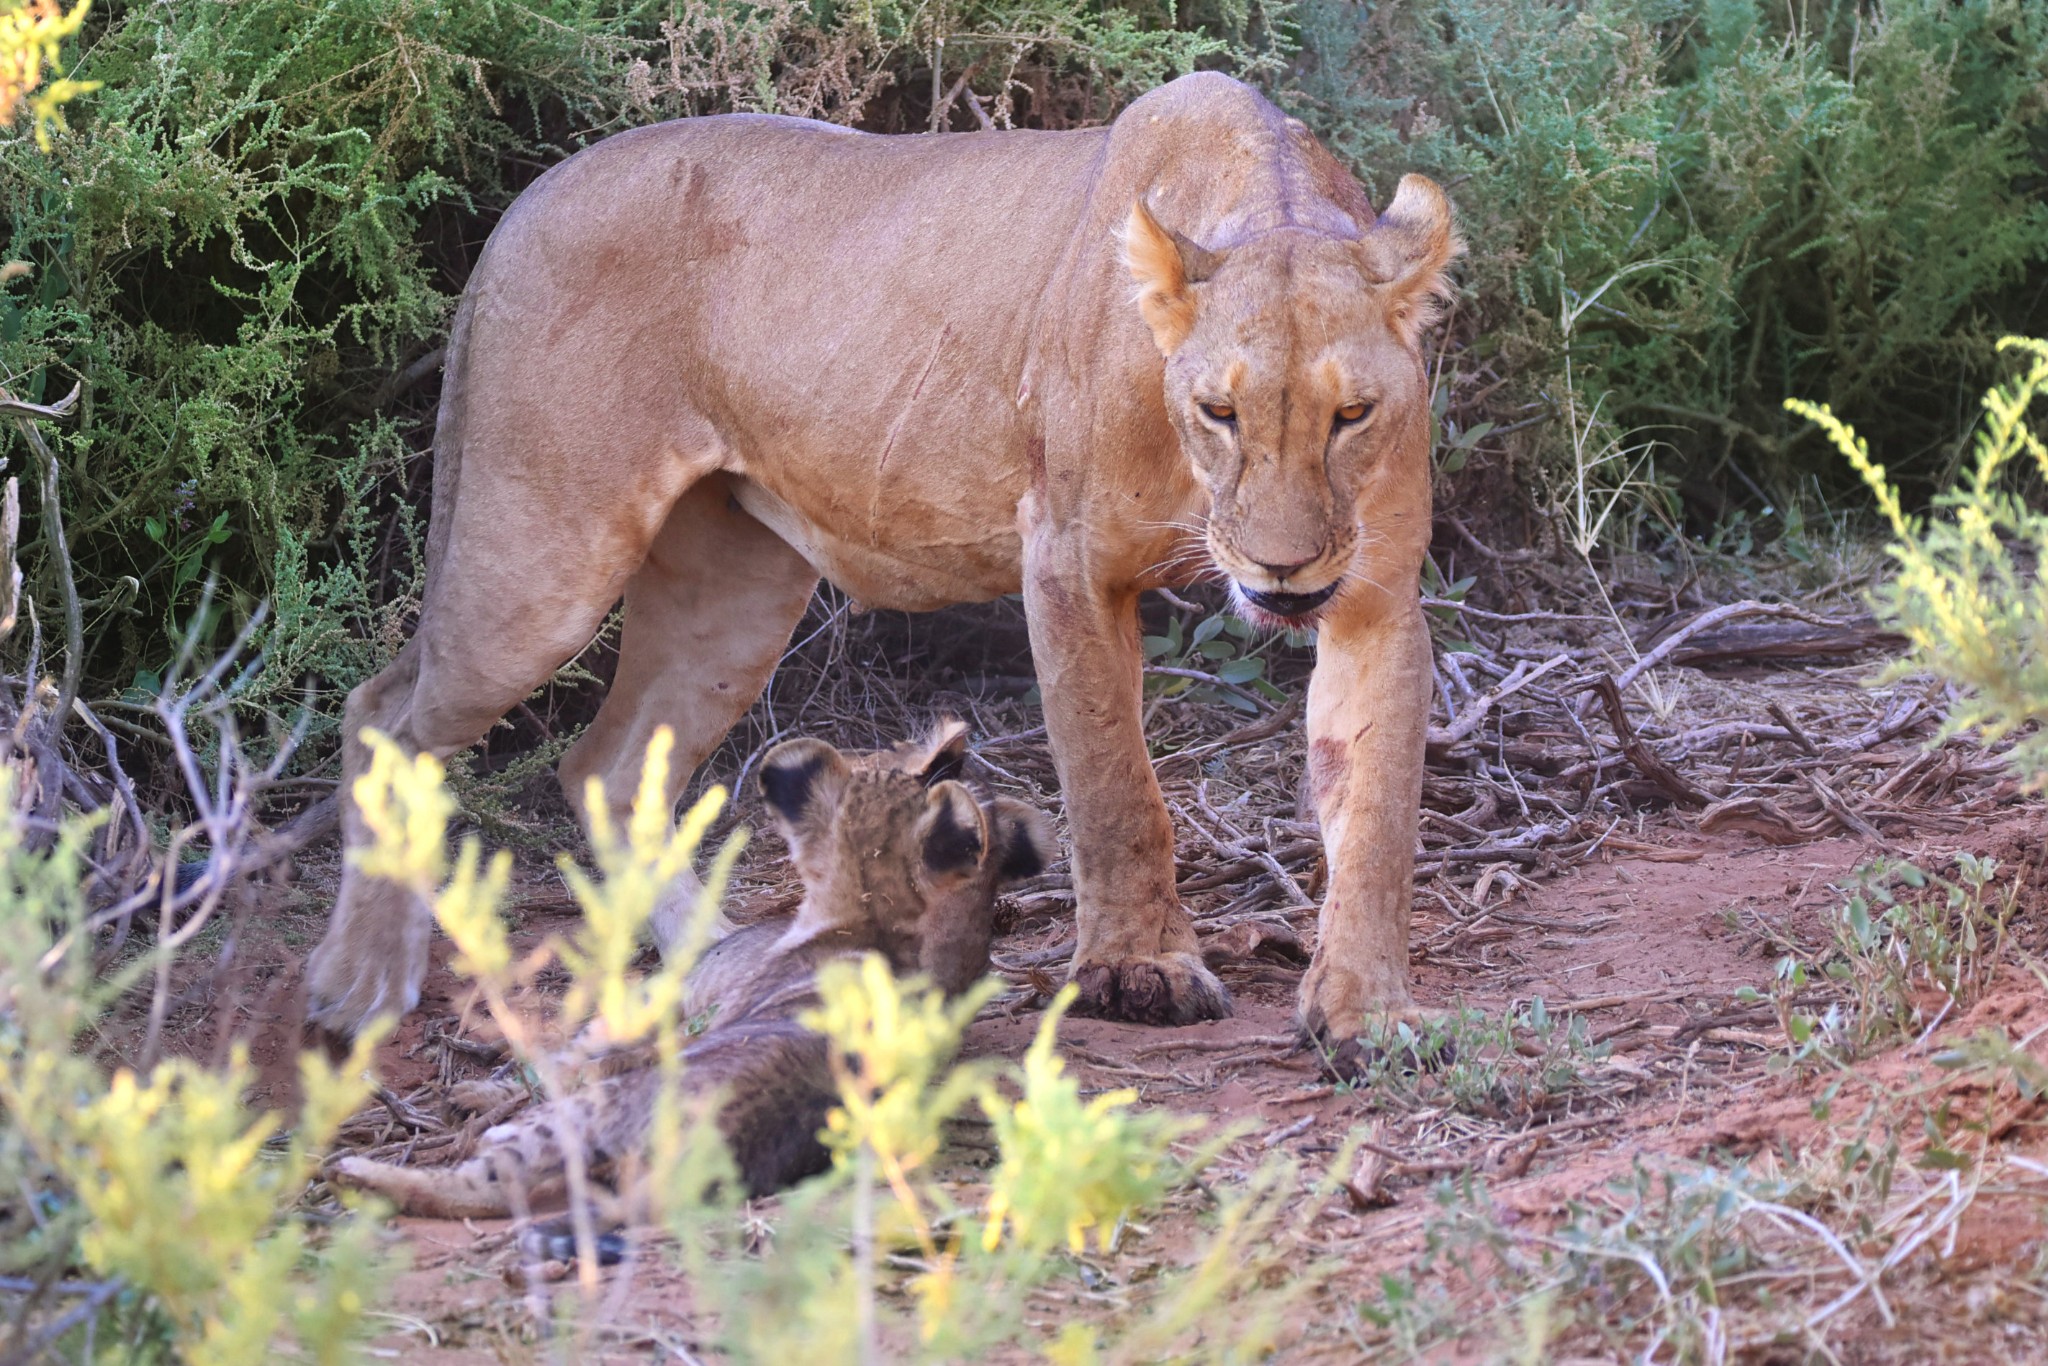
(216, 840)
(1557, 736)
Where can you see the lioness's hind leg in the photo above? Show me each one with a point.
(708, 615)
(515, 596)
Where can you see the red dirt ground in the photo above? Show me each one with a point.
(1653, 934)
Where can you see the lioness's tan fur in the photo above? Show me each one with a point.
(701, 364)
(896, 858)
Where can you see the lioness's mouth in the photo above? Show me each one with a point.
(1293, 608)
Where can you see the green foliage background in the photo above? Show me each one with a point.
(248, 245)
(1839, 199)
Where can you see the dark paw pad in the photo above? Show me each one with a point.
(1151, 992)
(555, 1241)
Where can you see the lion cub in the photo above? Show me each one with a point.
(895, 857)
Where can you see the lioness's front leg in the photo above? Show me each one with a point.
(1368, 711)
(1135, 957)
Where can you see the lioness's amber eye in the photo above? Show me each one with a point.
(1354, 411)
(1222, 412)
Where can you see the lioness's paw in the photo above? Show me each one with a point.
(1172, 989)
(363, 969)
(1355, 1031)
(1336, 1002)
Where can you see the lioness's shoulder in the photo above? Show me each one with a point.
(1218, 128)
(1202, 94)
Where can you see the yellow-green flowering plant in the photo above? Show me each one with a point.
(32, 34)
(1070, 1165)
(1968, 594)
(159, 1192)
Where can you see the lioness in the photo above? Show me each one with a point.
(896, 857)
(701, 364)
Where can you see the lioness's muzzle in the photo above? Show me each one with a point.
(1291, 605)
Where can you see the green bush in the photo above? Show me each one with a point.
(251, 240)
(1712, 205)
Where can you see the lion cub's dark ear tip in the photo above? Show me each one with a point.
(789, 773)
(1025, 846)
(947, 751)
(953, 834)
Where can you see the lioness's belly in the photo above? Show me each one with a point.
(910, 563)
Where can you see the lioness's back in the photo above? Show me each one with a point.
(788, 193)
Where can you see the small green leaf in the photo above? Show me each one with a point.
(1241, 670)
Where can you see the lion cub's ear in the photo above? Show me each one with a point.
(1023, 840)
(801, 781)
(953, 832)
(1165, 264)
(1406, 252)
(941, 755)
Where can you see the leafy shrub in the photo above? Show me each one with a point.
(1711, 205)
(251, 243)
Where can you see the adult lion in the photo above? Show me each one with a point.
(701, 364)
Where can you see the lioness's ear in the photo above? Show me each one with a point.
(1164, 264)
(1406, 253)
(801, 781)
(953, 833)
(1022, 839)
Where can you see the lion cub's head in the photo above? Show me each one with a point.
(891, 843)
(1293, 375)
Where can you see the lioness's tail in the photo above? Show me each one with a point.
(449, 423)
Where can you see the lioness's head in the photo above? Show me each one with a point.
(1293, 371)
(891, 842)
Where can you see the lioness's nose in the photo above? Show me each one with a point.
(1281, 571)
